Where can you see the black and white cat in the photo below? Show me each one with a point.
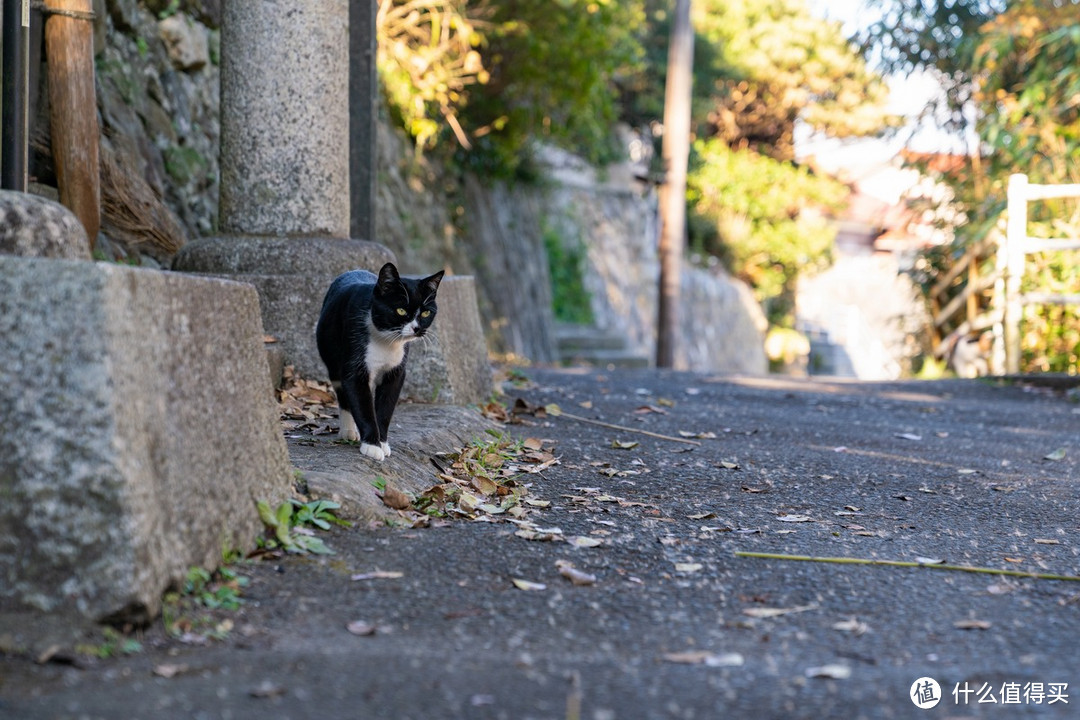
(366, 324)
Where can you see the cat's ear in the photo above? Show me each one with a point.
(388, 279)
(431, 282)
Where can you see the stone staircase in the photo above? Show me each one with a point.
(587, 345)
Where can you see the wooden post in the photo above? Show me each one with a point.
(69, 52)
(676, 153)
(1015, 239)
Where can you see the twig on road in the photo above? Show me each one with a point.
(556, 411)
(904, 563)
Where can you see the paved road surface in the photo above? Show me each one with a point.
(676, 625)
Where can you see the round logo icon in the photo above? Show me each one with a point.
(925, 693)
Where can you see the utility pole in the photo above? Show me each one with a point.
(675, 154)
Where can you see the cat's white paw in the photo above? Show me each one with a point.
(385, 448)
(372, 451)
(348, 430)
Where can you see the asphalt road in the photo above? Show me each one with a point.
(676, 625)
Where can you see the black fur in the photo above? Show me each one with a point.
(369, 320)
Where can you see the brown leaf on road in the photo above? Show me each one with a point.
(395, 499)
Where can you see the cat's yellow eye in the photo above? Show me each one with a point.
(401, 312)
(426, 313)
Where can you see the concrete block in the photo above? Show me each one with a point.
(291, 276)
(450, 365)
(137, 431)
(33, 226)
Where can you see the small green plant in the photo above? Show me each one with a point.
(289, 525)
(114, 644)
(215, 590)
(379, 483)
(319, 513)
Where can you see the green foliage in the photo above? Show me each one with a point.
(566, 265)
(497, 75)
(427, 58)
(215, 590)
(553, 70)
(762, 217)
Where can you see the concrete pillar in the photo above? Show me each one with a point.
(285, 117)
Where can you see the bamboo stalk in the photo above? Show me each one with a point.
(611, 426)
(905, 563)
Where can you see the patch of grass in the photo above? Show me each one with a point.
(114, 644)
(191, 609)
(566, 265)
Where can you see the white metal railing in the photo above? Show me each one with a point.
(1011, 259)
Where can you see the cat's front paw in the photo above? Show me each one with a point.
(385, 448)
(372, 451)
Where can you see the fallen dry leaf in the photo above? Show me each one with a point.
(769, 612)
(1058, 454)
(169, 670)
(575, 576)
(972, 624)
(267, 689)
(361, 628)
(851, 625)
(705, 657)
(688, 567)
(795, 518)
(702, 516)
(584, 542)
(379, 575)
(620, 445)
(1047, 541)
(833, 671)
(528, 584)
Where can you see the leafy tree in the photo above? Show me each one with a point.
(778, 64)
(764, 218)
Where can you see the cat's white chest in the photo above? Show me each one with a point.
(383, 357)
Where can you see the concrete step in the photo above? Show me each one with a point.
(585, 345)
(606, 359)
(583, 338)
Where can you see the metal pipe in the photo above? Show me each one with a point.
(16, 119)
